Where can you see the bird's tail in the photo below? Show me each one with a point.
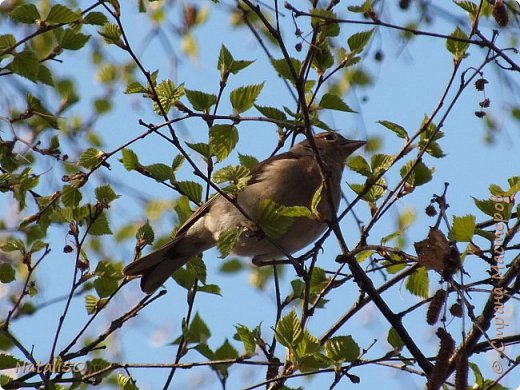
(156, 267)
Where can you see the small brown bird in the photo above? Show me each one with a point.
(289, 179)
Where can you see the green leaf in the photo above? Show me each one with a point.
(248, 161)
(70, 40)
(320, 16)
(168, 94)
(198, 331)
(231, 266)
(191, 189)
(225, 59)
(70, 196)
(341, 349)
(272, 113)
(294, 211)
(417, 283)
(201, 148)
(130, 159)
(105, 194)
(228, 240)
(111, 33)
(360, 165)
(7, 41)
(178, 160)
(135, 87)
(222, 140)
(7, 273)
(159, 171)
(25, 64)
(8, 361)
(420, 175)
(105, 286)
(334, 102)
(288, 331)
(457, 48)
(227, 64)
(316, 199)
(91, 304)
(376, 190)
(231, 174)
(61, 14)
(398, 130)
(125, 383)
(322, 59)
(145, 233)
(395, 340)
(462, 228)
(25, 13)
(243, 98)
(283, 68)
(358, 41)
(100, 226)
(201, 101)
(226, 351)
(90, 158)
(273, 224)
(468, 6)
(210, 289)
(247, 337)
(95, 18)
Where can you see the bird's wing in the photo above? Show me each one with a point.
(258, 170)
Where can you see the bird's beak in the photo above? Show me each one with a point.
(352, 145)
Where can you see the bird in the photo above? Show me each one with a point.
(291, 178)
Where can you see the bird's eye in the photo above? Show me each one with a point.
(331, 137)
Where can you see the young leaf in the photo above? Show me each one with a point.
(334, 102)
(100, 226)
(341, 349)
(222, 140)
(316, 199)
(95, 18)
(70, 196)
(289, 331)
(421, 173)
(25, 13)
(145, 233)
(111, 33)
(90, 158)
(231, 174)
(168, 94)
(358, 41)
(7, 273)
(191, 189)
(284, 69)
(159, 171)
(395, 340)
(25, 64)
(417, 283)
(271, 221)
(201, 101)
(105, 194)
(243, 98)
(455, 47)
(247, 161)
(398, 130)
(272, 113)
(228, 239)
(61, 14)
(463, 228)
(360, 165)
(247, 337)
(130, 159)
